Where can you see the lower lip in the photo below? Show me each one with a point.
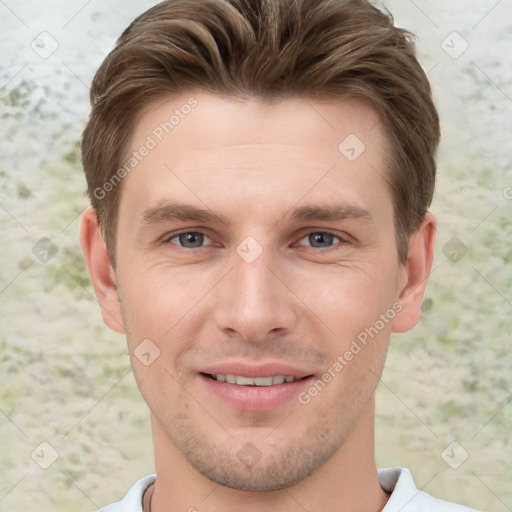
(255, 398)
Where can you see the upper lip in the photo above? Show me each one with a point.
(254, 370)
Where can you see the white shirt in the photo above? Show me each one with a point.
(405, 497)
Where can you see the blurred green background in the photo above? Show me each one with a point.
(66, 379)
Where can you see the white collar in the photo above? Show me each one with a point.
(405, 497)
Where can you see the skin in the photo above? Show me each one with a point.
(298, 302)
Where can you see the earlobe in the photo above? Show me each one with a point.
(416, 271)
(100, 269)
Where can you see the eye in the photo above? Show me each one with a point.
(189, 239)
(321, 239)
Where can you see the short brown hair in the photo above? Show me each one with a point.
(268, 49)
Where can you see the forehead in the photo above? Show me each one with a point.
(256, 153)
(217, 120)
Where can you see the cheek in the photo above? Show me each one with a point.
(158, 304)
(348, 300)
(153, 294)
(159, 312)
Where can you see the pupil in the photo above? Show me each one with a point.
(323, 239)
(191, 239)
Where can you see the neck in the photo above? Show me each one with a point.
(346, 482)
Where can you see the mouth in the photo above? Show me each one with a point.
(257, 389)
(241, 380)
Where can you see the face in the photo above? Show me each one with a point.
(256, 256)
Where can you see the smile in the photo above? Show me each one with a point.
(258, 394)
(241, 380)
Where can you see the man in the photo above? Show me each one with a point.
(260, 174)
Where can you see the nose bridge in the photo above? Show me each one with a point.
(256, 285)
(254, 302)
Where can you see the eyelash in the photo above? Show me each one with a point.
(323, 232)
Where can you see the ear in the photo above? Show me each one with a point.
(416, 272)
(100, 269)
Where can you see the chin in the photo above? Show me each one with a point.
(257, 463)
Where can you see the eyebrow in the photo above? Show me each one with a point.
(331, 213)
(173, 211)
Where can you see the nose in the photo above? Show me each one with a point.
(254, 302)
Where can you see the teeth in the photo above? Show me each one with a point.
(263, 381)
(244, 381)
(257, 381)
